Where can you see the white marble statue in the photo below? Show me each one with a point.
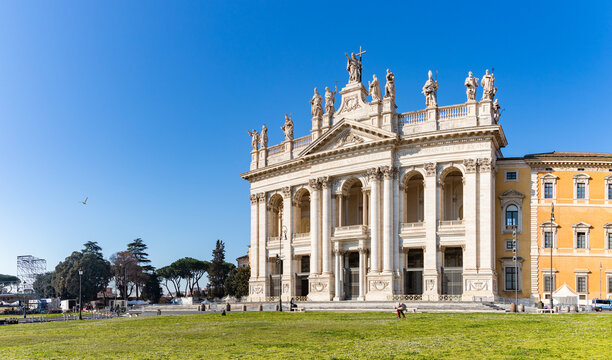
(254, 139)
(288, 128)
(316, 104)
(354, 67)
(496, 111)
(263, 138)
(488, 86)
(390, 85)
(471, 85)
(429, 90)
(374, 87)
(330, 99)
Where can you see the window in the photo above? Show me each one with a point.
(610, 284)
(580, 240)
(511, 176)
(581, 284)
(510, 278)
(610, 191)
(547, 239)
(610, 240)
(580, 190)
(548, 191)
(509, 245)
(511, 215)
(547, 283)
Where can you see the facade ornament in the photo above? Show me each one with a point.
(488, 86)
(253, 198)
(471, 85)
(430, 91)
(263, 138)
(362, 250)
(354, 67)
(430, 169)
(374, 88)
(390, 85)
(470, 165)
(430, 284)
(261, 197)
(348, 139)
(330, 99)
(326, 183)
(314, 184)
(316, 104)
(288, 128)
(254, 139)
(287, 192)
(486, 164)
(373, 174)
(387, 171)
(496, 111)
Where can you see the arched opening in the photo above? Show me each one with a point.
(452, 195)
(275, 215)
(350, 211)
(302, 211)
(511, 216)
(413, 198)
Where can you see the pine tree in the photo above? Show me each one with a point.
(138, 248)
(218, 272)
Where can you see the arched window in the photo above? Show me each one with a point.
(512, 215)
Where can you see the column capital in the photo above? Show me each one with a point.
(326, 182)
(373, 174)
(287, 192)
(430, 168)
(388, 172)
(470, 165)
(362, 250)
(253, 198)
(261, 197)
(314, 184)
(486, 164)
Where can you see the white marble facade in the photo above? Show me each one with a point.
(378, 205)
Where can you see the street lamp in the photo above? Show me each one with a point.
(80, 301)
(552, 218)
(514, 250)
(280, 270)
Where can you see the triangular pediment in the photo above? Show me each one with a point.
(347, 134)
(511, 194)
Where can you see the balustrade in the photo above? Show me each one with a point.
(452, 112)
(413, 117)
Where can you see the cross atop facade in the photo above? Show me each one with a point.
(361, 51)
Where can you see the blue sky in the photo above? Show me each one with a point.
(143, 106)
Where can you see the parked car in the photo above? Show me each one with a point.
(602, 304)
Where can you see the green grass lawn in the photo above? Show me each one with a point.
(315, 336)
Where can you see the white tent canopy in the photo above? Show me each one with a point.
(565, 296)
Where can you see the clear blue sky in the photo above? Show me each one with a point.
(143, 106)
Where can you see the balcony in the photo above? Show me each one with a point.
(351, 231)
(451, 227)
(301, 239)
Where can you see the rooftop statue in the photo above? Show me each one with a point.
(254, 139)
(316, 104)
(429, 89)
(471, 85)
(330, 99)
(263, 139)
(488, 86)
(497, 111)
(354, 67)
(375, 89)
(390, 85)
(288, 128)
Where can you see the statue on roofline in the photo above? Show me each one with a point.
(429, 90)
(288, 128)
(488, 86)
(354, 67)
(316, 104)
(263, 138)
(390, 85)
(330, 99)
(254, 139)
(374, 88)
(471, 85)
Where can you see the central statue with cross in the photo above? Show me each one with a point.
(354, 67)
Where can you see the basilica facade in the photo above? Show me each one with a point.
(378, 205)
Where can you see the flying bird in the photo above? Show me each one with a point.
(85, 201)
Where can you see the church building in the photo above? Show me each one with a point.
(379, 205)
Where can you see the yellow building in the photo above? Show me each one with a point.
(580, 234)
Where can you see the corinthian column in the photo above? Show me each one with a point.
(254, 251)
(387, 219)
(374, 177)
(263, 233)
(315, 228)
(287, 249)
(325, 224)
(338, 275)
(430, 268)
(470, 194)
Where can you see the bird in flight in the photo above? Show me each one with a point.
(85, 201)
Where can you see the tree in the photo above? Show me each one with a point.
(92, 247)
(152, 290)
(218, 271)
(43, 285)
(138, 248)
(95, 278)
(237, 283)
(170, 273)
(126, 272)
(7, 282)
(191, 270)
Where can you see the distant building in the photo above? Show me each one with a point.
(243, 261)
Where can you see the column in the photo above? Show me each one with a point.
(470, 193)
(364, 220)
(254, 252)
(388, 219)
(263, 233)
(338, 275)
(315, 233)
(326, 225)
(374, 176)
(339, 196)
(363, 263)
(287, 249)
(430, 266)
(487, 214)
(396, 222)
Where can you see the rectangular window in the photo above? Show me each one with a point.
(610, 284)
(509, 245)
(510, 275)
(580, 191)
(547, 239)
(610, 240)
(548, 191)
(581, 284)
(547, 282)
(580, 240)
(610, 191)
(510, 175)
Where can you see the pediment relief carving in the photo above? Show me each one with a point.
(511, 194)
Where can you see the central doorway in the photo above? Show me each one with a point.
(413, 273)
(452, 272)
(351, 275)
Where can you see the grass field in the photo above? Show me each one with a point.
(316, 336)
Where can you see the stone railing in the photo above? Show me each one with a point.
(405, 297)
(449, 298)
(271, 299)
(302, 142)
(452, 112)
(301, 236)
(412, 225)
(350, 230)
(276, 150)
(450, 222)
(413, 117)
(300, 298)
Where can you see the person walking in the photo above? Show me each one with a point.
(401, 308)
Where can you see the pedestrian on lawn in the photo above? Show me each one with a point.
(401, 308)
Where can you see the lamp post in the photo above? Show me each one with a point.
(552, 218)
(80, 301)
(514, 257)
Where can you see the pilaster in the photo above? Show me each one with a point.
(374, 176)
(287, 249)
(387, 219)
(431, 267)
